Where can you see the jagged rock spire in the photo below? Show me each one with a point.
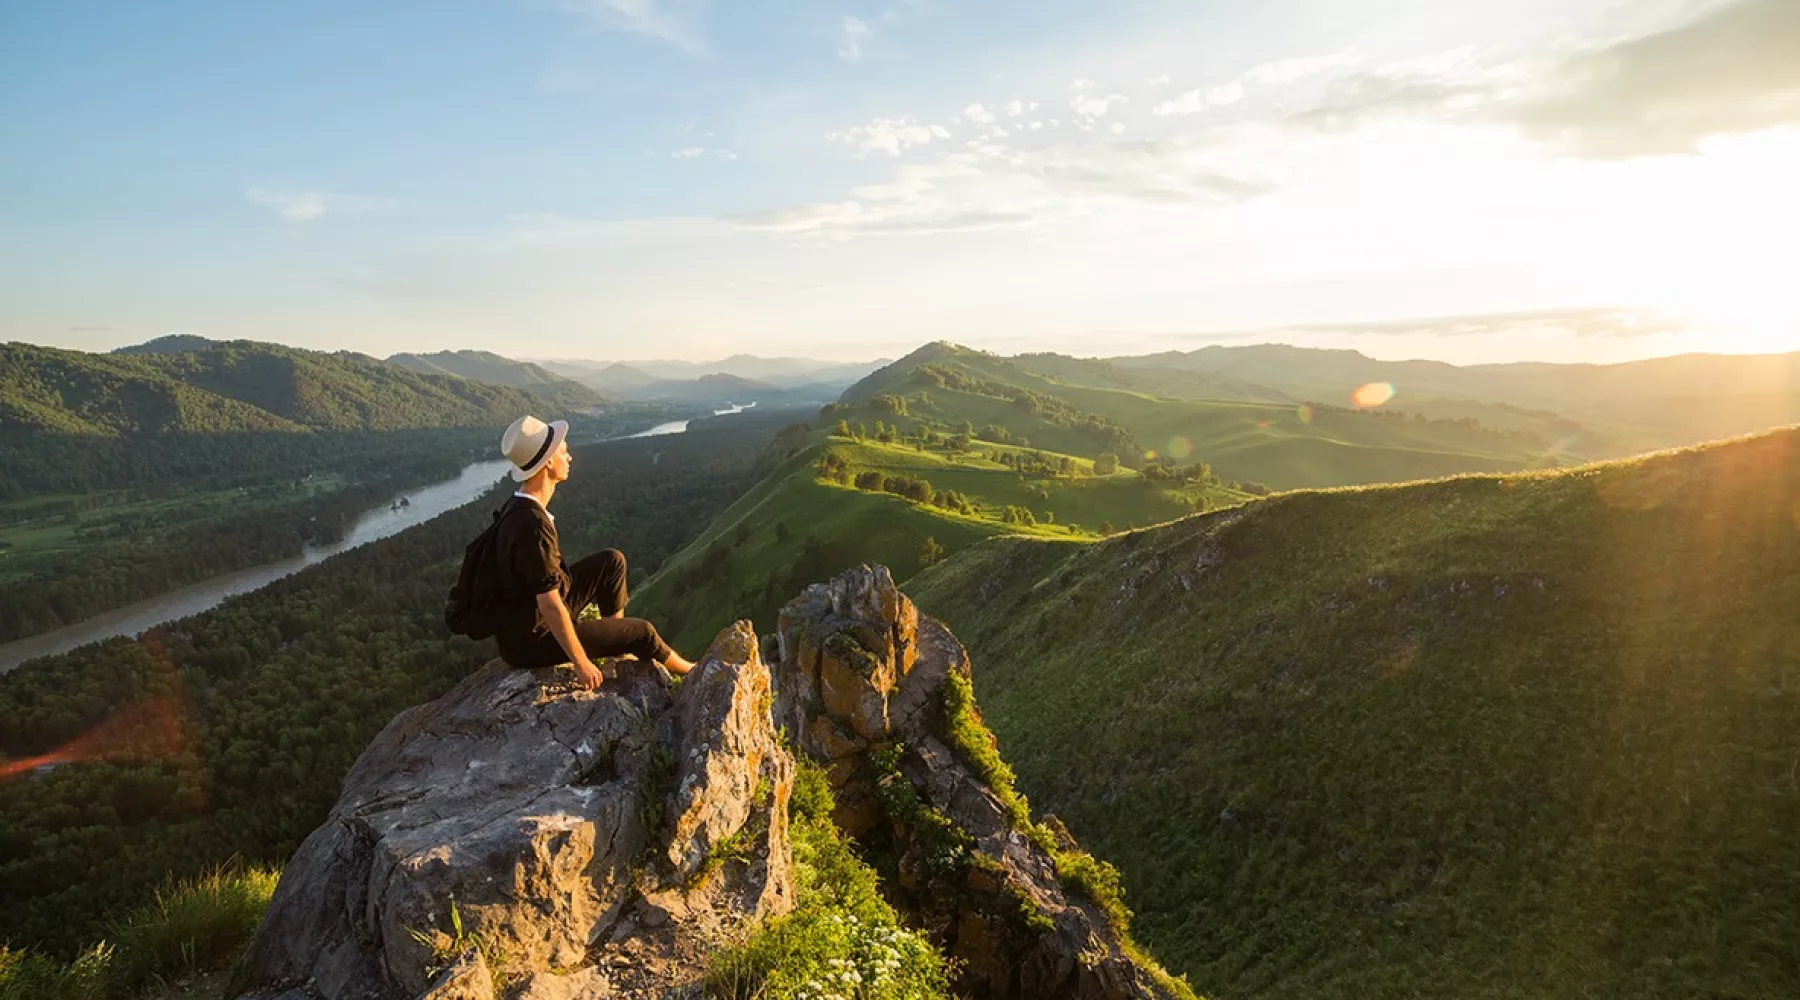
(863, 683)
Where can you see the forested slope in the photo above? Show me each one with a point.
(228, 734)
(485, 366)
(1491, 736)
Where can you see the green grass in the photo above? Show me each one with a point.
(1481, 737)
(840, 927)
(1075, 868)
(192, 928)
(794, 529)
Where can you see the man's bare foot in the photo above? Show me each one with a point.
(677, 664)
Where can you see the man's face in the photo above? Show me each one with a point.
(558, 466)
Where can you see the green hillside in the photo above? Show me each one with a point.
(483, 366)
(1600, 411)
(804, 519)
(1530, 735)
(1282, 445)
(236, 386)
(71, 392)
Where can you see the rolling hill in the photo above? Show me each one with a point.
(1491, 736)
(1621, 408)
(235, 386)
(802, 519)
(483, 366)
(1282, 445)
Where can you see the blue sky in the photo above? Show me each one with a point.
(690, 178)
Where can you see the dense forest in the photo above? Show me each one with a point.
(66, 558)
(236, 386)
(227, 734)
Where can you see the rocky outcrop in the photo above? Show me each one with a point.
(520, 834)
(519, 838)
(862, 683)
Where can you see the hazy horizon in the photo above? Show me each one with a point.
(643, 180)
(1383, 342)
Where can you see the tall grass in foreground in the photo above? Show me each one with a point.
(191, 928)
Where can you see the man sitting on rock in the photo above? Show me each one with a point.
(539, 597)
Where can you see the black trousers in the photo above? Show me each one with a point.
(598, 580)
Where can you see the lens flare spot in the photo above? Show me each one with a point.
(1797, 513)
(1150, 456)
(1180, 447)
(1263, 423)
(1372, 395)
(1305, 413)
(150, 730)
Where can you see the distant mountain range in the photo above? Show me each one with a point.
(740, 378)
(784, 372)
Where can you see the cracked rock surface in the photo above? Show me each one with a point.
(560, 825)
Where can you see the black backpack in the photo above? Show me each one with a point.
(470, 608)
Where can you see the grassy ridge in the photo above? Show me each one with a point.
(794, 528)
(1493, 736)
(1283, 444)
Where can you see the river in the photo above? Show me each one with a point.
(681, 426)
(423, 505)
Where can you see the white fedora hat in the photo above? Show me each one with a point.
(529, 443)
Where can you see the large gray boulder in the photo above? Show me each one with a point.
(520, 830)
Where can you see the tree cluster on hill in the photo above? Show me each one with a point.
(228, 733)
(1050, 409)
(1511, 435)
(834, 468)
(1165, 470)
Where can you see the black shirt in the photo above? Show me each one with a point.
(529, 562)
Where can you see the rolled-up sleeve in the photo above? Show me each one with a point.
(537, 564)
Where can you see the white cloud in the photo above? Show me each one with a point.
(889, 135)
(1159, 80)
(1089, 106)
(989, 186)
(978, 114)
(1201, 99)
(1081, 83)
(1116, 128)
(306, 206)
(696, 152)
(1014, 109)
(1034, 126)
(668, 21)
(1282, 72)
(857, 34)
(1733, 68)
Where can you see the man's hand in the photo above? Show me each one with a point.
(587, 676)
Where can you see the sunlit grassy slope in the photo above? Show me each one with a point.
(1283, 445)
(794, 529)
(1534, 735)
